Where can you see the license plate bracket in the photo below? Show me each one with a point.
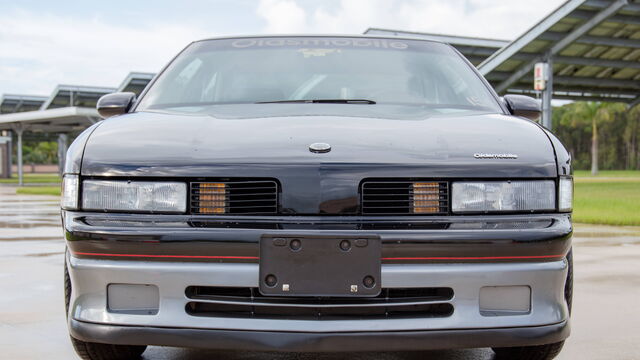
(340, 266)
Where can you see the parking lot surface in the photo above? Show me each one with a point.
(605, 323)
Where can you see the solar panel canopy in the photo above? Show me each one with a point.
(69, 108)
(135, 82)
(71, 95)
(593, 46)
(10, 103)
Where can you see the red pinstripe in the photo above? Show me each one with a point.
(386, 258)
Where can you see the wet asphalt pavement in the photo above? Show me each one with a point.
(605, 324)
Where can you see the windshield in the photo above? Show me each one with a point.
(317, 70)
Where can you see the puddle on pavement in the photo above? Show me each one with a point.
(624, 280)
(21, 225)
(45, 254)
(606, 235)
(31, 238)
(28, 218)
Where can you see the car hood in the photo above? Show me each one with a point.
(161, 144)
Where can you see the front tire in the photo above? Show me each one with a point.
(98, 351)
(546, 351)
(538, 352)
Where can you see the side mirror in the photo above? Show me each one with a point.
(525, 106)
(115, 104)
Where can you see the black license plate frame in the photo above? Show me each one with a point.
(320, 267)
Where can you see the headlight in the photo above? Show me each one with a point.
(565, 194)
(69, 200)
(134, 196)
(490, 196)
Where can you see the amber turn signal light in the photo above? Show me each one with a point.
(212, 198)
(426, 197)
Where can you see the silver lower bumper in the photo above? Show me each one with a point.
(320, 342)
(90, 279)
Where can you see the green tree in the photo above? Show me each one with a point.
(44, 152)
(574, 135)
(631, 137)
(592, 114)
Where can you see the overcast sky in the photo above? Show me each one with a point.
(44, 43)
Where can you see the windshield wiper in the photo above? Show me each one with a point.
(321, 101)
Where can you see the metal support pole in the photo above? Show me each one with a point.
(9, 157)
(62, 152)
(547, 95)
(19, 130)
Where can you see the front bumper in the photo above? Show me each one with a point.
(91, 273)
(89, 314)
(325, 342)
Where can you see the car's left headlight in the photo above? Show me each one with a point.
(134, 196)
(69, 198)
(503, 196)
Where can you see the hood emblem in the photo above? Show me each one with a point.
(319, 148)
(495, 156)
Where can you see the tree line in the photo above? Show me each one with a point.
(37, 148)
(599, 135)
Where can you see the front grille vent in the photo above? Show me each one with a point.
(392, 303)
(390, 197)
(234, 197)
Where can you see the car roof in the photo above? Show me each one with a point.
(361, 36)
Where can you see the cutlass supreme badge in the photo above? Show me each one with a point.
(495, 156)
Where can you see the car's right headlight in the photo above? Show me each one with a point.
(503, 196)
(565, 194)
(134, 196)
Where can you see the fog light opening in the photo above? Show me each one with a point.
(505, 300)
(137, 299)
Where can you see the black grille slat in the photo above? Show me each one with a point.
(253, 188)
(270, 201)
(240, 198)
(246, 207)
(239, 207)
(396, 201)
(232, 196)
(249, 303)
(247, 197)
(387, 294)
(383, 193)
(396, 197)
